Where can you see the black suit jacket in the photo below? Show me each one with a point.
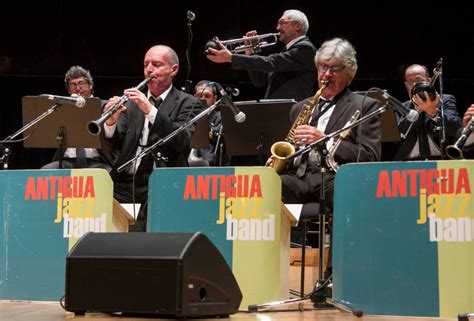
(177, 108)
(452, 123)
(287, 74)
(367, 139)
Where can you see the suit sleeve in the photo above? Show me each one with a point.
(258, 67)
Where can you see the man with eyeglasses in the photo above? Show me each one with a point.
(287, 74)
(301, 183)
(420, 140)
(78, 81)
(214, 155)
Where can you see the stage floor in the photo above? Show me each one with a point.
(52, 311)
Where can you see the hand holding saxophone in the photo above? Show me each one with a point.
(307, 134)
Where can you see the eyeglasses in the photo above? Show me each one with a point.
(412, 82)
(81, 83)
(283, 22)
(332, 69)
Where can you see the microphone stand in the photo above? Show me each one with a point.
(218, 148)
(164, 140)
(10, 139)
(316, 296)
(187, 82)
(314, 145)
(441, 128)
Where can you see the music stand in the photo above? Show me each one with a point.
(68, 122)
(266, 123)
(200, 137)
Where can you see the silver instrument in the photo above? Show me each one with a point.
(330, 161)
(455, 151)
(252, 43)
(94, 127)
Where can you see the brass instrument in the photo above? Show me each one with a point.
(422, 86)
(282, 149)
(330, 162)
(94, 127)
(455, 151)
(252, 43)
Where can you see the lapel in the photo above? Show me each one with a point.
(169, 104)
(342, 112)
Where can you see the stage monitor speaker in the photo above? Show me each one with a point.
(172, 274)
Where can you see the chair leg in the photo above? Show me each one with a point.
(321, 240)
(303, 257)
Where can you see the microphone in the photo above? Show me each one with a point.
(191, 16)
(75, 99)
(238, 115)
(410, 114)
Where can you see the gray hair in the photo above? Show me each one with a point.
(76, 72)
(298, 16)
(340, 50)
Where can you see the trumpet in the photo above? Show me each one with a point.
(94, 127)
(455, 151)
(252, 43)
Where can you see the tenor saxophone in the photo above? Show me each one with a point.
(330, 161)
(282, 149)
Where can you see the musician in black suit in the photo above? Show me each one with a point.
(287, 74)
(421, 139)
(144, 119)
(78, 81)
(336, 63)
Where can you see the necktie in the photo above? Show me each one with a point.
(423, 141)
(322, 107)
(81, 161)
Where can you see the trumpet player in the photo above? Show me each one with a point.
(421, 139)
(285, 74)
(145, 118)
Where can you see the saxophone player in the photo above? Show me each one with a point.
(336, 64)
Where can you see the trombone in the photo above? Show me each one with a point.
(422, 86)
(252, 43)
(94, 127)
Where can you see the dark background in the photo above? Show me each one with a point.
(40, 42)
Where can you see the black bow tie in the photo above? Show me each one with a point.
(323, 102)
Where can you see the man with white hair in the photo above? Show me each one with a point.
(287, 74)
